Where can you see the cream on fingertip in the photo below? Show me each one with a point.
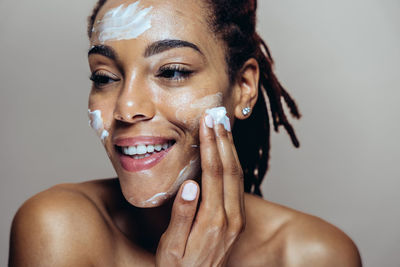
(189, 192)
(209, 121)
(218, 116)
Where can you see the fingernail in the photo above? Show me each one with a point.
(209, 121)
(227, 124)
(189, 192)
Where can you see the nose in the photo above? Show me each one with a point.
(134, 102)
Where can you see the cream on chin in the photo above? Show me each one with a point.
(188, 172)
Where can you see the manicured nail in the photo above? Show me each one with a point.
(209, 121)
(189, 192)
(227, 124)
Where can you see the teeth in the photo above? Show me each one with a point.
(142, 151)
(150, 149)
(132, 150)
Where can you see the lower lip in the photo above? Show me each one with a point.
(135, 165)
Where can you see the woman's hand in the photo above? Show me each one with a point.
(206, 238)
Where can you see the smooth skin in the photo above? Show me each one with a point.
(90, 224)
(95, 224)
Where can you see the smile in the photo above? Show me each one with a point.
(138, 154)
(143, 151)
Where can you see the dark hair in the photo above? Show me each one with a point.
(234, 21)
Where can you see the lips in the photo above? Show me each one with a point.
(142, 153)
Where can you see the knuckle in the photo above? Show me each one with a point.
(237, 226)
(168, 250)
(172, 254)
(214, 168)
(233, 169)
(208, 138)
(183, 213)
(183, 217)
(218, 223)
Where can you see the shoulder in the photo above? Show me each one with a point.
(58, 226)
(300, 239)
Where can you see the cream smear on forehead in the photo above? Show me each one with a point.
(96, 122)
(197, 106)
(188, 172)
(123, 23)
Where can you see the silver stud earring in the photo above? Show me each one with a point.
(246, 111)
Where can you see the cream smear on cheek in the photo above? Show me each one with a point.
(123, 23)
(96, 122)
(218, 115)
(188, 172)
(190, 113)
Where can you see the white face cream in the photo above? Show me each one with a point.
(219, 117)
(96, 122)
(197, 107)
(188, 172)
(123, 23)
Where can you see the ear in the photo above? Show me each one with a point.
(246, 88)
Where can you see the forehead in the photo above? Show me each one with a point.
(185, 20)
(169, 18)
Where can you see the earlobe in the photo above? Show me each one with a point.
(247, 84)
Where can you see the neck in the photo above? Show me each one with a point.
(144, 226)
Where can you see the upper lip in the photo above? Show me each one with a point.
(140, 140)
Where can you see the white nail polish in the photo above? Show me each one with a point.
(209, 121)
(189, 192)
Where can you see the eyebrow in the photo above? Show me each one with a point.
(103, 50)
(167, 44)
(152, 49)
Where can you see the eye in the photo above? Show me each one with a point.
(174, 72)
(101, 79)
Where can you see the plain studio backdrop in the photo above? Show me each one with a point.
(339, 60)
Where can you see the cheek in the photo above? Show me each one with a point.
(100, 118)
(189, 109)
(96, 122)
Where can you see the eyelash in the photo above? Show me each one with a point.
(170, 72)
(101, 79)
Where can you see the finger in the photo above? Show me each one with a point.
(212, 171)
(233, 176)
(173, 241)
(230, 137)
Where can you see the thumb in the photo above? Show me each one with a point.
(173, 241)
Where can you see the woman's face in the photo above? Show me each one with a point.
(156, 68)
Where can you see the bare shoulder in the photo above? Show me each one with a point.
(286, 237)
(59, 226)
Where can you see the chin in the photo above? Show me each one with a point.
(154, 187)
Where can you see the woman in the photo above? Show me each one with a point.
(170, 81)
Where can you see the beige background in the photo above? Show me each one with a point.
(339, 59)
